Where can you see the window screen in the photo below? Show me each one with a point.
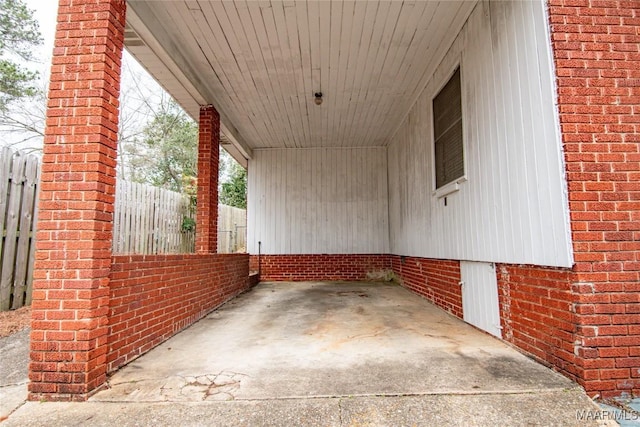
(447, 124)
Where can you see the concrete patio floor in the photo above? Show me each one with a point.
(328, 354)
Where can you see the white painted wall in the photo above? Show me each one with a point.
(314, 201)
(513, 206)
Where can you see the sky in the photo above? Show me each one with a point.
(45, 13)
(136, 86)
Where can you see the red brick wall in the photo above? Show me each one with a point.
(208, 164)
(436, 280)
(298, 268)
(253, 263)
(155, 296)
(537, 306)
(596, 48)
(73, 259)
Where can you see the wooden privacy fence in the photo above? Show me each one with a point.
(19, 177)
(147, 220)
(232, 229)
(150, 220)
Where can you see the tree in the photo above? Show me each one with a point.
(171, 144)
(19, 34)
(22, 124)
(233, 182)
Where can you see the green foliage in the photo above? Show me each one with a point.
(19, 34)
(233, 189)
(188, 224)
(171, 145)
(166, 153)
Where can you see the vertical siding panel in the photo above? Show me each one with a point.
(331, 196)
(316, 216)
(305, 224)
(336, 192)
(272, 204)
(261, 178)
(505, 241)
(323, 230)
(509, 167)
(485, 142)
(342, 190)
(251, 205)
(295, 205)
(267, 227)
(259, 198)
(513, 207)
(358, 203)
(519, 99)
(375, 175)
(287, 198)
(548, 125)
(326, 200)
(392, 188)
(350, 207)
(277, 194)
(384, 197)
(471, 98)
(379, 174)
(281, 183)
(329, 171)
(261, 219)
(515, 138)
(525, 41)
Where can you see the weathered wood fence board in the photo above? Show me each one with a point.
(149, 220)
(232, 229)
(19, 176)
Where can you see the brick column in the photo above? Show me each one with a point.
(73, 259)
(596, 48)
(208, 157)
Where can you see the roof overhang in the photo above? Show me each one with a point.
(260, 64)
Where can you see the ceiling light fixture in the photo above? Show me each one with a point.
(318, 96)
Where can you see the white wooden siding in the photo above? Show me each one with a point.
(513, 208)
(314, 201)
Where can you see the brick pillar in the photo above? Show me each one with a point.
(596, 48)
(73, 259)
(208, 157)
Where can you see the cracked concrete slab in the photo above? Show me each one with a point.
(289, 340)
(330, 354)
(192, 388)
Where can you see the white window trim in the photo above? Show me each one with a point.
(453, 186)
(450, 188)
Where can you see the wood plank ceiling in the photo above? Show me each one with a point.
(260, 63)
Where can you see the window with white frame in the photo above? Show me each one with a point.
(447, 132)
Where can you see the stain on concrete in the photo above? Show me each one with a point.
(325, 339)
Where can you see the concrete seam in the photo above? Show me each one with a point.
(14, 384)
(385, 395)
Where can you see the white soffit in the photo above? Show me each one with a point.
(260, 63)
